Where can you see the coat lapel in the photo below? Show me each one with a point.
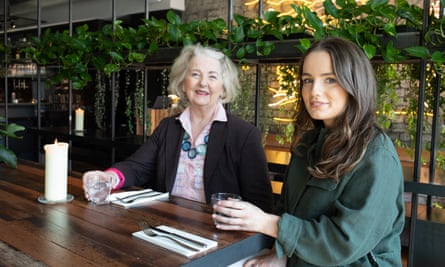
(173, 142)
(297, 178)
(298, 174)
(215, 148)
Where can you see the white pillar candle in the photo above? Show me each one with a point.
(79, 119)
(56, 171)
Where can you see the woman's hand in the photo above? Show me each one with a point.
(244, 216)
(267, 260)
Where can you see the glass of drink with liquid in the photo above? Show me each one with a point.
(99, 187)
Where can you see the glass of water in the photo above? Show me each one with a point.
(99, 187)
(223, 196)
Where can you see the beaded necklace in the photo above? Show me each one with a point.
(192, 152)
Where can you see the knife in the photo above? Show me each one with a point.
(133, 199)
(138, 194)
(203, 245)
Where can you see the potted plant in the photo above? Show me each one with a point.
(9, 130)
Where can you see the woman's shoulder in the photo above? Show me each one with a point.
(237, 128)
(167, 123)
(382, 143)
(235, 121)
(170, 119)
(382, 139)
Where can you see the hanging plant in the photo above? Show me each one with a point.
(99, 100)
(117, 47)
(116, 90)
(436, 37)
(240, 106)
(389, 78)
(139, 97)
(72, 54)
(373, 26)
(164, 81)
(129, 102)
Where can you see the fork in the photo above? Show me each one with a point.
(138, 194)
(150, 232)
(128, 201)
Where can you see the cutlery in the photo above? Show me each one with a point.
(148, 226)
(151, 233)
(128, 201)
(138, 194)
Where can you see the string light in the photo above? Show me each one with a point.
(435, 8)
(284, 96)
(284, 6)
(281, 96)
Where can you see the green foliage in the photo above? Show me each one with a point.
(6, 155)
(373, 26)
(389, 78)
(138, 95)
(289, 130)
(242, 105)
(410, 73)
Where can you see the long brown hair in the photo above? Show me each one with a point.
(346, 143)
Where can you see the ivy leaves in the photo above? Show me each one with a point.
(373, 26)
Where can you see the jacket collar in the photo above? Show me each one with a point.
(215, 148)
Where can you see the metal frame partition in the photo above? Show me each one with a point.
(425, 236)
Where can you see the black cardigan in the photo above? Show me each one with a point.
(235, 161)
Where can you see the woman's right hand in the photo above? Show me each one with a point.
(244, 216)
(267, 260)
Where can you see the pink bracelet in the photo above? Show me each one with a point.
(120, 176)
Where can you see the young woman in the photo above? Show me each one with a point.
(204, 149)
(342, 199)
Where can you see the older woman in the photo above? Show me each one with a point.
(205, 149)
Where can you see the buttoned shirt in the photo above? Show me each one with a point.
(189, 177)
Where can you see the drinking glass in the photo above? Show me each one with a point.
(223, 196)
(99, 187)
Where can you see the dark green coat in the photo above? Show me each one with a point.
(329, 223)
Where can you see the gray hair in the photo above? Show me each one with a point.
(229, 71)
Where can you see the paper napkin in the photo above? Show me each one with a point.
(140, 197)
(172, 246)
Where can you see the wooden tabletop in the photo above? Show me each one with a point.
(80, 233)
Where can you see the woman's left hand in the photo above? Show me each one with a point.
(243, 216)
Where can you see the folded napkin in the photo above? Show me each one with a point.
(173, 246)
(137, 198)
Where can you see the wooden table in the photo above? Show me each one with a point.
(80, 233)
